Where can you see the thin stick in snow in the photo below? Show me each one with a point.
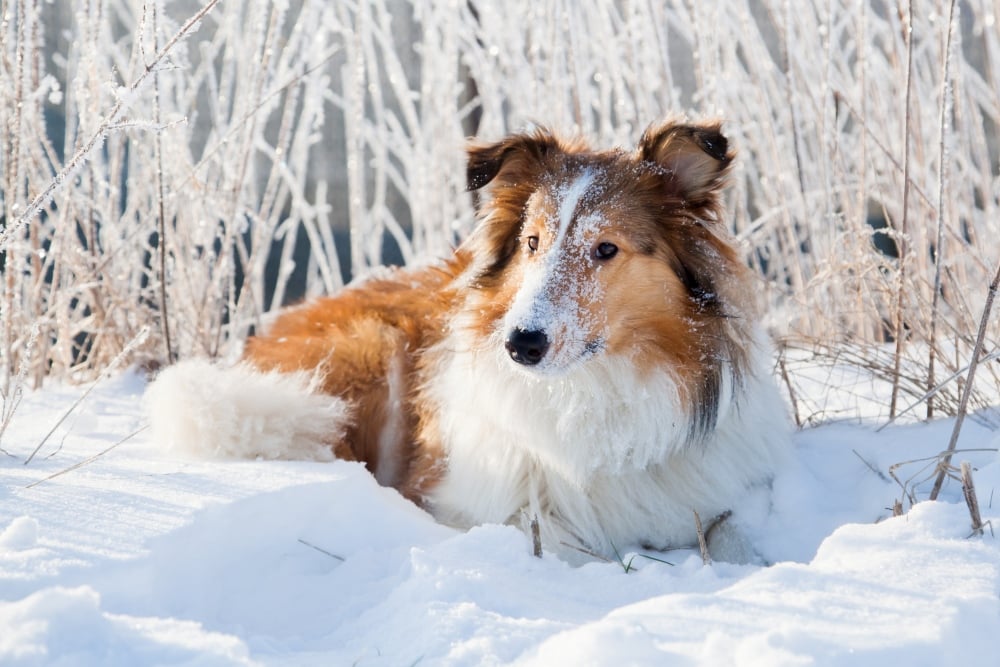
(322, 550)
(586, 552)
(139, 338)
(536, 538)
(963, 404)
(969, 491)
(871, 466)
(995, 354)
(791, 390)
(93, 458)
(702, 542)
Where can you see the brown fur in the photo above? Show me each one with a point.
(351, 341)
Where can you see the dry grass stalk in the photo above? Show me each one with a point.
(871, 466)
(587, 552)
(792, 395)
(943, 125)
(88, 460)
(934, 391)
(11, 398)
(161, 218)
(902, 238)
(969, 491)
(927, 471)
(969, 381)
(321, 550)
(536, 538)
(113, 366)
(870, 365)
(702, 542)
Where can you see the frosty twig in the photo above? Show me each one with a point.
(97, 138)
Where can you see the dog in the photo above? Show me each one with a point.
(590, 359)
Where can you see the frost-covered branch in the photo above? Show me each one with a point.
(125, 97)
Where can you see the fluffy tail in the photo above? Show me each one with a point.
(198, 408)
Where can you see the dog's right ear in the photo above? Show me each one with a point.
(511, 154)
(696, 158)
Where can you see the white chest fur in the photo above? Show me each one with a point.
(600, 456)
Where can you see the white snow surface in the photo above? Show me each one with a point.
(137, 557)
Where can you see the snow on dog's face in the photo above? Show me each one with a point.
(583, 254)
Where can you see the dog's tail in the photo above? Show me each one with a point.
(196, 407)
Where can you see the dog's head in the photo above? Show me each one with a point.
(582, 253)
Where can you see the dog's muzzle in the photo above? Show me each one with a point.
(527, 347)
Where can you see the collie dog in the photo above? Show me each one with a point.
(590, 358)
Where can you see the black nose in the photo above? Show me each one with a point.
(527, 347)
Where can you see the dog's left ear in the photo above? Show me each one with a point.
(695, 157)
(518, 154)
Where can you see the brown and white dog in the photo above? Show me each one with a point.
(590, 356)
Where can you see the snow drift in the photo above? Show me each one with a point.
(138, 557)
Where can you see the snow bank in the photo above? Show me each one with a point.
(140, 558)
(66, 626)
(909, 591)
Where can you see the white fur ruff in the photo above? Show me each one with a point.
(200, 409)
(601, 456)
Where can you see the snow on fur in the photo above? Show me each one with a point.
(605, 429)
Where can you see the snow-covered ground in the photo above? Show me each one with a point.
(138, 557)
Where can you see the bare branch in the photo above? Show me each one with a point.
(969, 381)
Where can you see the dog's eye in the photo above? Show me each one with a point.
(605, 251)
(532, 243)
